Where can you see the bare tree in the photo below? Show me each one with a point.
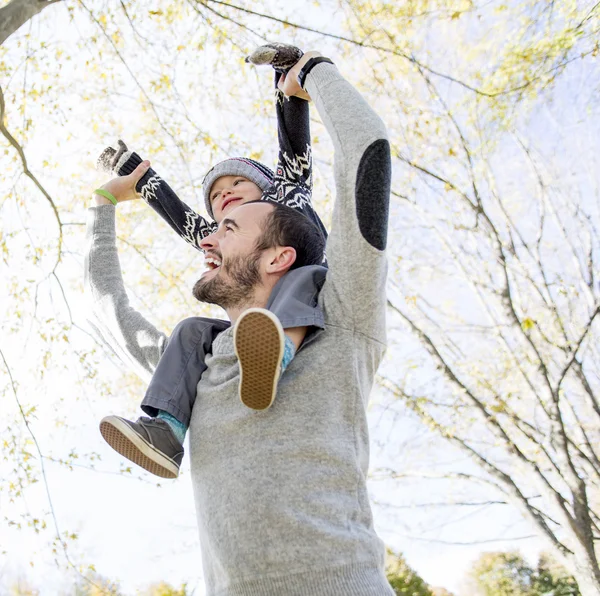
(517, 355)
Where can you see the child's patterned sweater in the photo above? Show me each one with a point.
(292, 184)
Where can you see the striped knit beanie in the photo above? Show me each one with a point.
(237, 166)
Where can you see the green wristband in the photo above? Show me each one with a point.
(106, 195)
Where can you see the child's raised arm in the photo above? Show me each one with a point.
(191, 226)
(293, 175)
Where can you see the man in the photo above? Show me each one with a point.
(281, 496)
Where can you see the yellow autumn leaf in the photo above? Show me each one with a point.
(527, 324)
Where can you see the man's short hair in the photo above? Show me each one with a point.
(285, 226)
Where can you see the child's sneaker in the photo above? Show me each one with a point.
(148, 442)
(259, 344)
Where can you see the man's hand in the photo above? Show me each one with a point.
(123, 187)
(289, 83)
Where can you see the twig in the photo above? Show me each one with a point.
(30, 175)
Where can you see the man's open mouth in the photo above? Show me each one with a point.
(212, 263)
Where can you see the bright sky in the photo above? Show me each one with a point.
(136, 532)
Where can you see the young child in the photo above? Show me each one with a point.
(263, 349)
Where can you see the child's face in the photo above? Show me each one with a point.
(229, 192)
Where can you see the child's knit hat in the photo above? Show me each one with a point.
(253, 170)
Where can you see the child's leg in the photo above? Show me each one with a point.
(173, 386)
(266, 344)
(156, 443)
(296, 335)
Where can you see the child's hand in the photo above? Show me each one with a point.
(123, 187)
(289, 83)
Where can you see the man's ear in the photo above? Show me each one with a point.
(282, 259)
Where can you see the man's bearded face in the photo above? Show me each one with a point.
(233, 285)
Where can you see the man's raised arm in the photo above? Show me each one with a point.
(134, 339)
(354, 293)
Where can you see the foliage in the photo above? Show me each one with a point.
(94, 584)
(552, 578)
(164, 589)
(507, 574)
(403, 579)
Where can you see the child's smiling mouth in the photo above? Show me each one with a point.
(230, 200)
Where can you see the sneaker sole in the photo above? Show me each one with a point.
(124, 440)
(259, 344)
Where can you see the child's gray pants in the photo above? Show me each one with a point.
(173, 385)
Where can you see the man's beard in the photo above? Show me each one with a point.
(243, 276)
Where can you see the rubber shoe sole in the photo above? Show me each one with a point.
(124, 440)
(259, 345)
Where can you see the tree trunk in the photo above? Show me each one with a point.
(587, 585)
(17, 13)
(585, 572)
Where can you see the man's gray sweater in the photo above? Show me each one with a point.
(281, 495)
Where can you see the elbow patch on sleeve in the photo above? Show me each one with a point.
(373, 186)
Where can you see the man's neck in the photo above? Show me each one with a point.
(259, 299)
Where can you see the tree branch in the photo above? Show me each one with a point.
(403, 55)
(587, 328)
(4, 131)
(43, 470)
(17, 12)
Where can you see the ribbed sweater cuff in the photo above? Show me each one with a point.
(101, 220)
(128, 162)
(320, 75)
